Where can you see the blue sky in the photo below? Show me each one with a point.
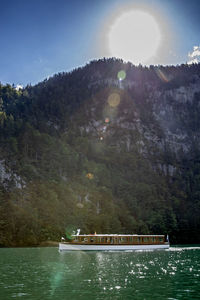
(42, 37)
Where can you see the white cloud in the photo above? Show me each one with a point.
(194, 56)
(195, 52)
(193, 61)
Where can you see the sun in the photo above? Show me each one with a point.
(134, 36)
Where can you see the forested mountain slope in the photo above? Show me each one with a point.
(109, 147)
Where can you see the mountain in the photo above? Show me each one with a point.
(109, 147)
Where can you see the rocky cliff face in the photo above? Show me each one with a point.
(155, 118)
(108, 147)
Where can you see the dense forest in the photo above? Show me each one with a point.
(109, 147)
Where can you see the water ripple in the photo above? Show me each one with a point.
(34, 274)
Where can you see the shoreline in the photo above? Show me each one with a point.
(55, 244)
(42, 244)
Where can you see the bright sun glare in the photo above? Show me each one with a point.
(134, 36)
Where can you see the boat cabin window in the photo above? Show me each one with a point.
(123, 240)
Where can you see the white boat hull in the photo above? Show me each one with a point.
(79, 247)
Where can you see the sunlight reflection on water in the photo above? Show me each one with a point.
(44, 273)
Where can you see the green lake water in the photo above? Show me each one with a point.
(44, 273)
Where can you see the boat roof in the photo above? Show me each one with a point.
(116, 235)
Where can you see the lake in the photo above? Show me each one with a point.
(44, 273)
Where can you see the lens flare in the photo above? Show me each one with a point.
(114, 99)
(55, 282)
(121, 75)
(69, 231)
(162, 75)
(90, 176)
(107, 120)
(80, 205)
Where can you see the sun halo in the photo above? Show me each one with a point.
(134, 36)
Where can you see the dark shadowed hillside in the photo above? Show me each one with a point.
(109, 147)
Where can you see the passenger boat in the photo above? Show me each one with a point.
(114, 242)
